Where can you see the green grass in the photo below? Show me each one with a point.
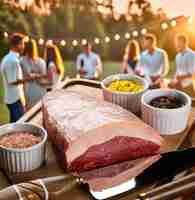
(109, 68)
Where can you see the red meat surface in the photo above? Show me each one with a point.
(90, 133)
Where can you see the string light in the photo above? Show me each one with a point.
(143, 31)
(97, 40)
(127, 35)
(117, 37)
(190, 20)
(26, 39)
(173, 23)
(5, 34)
(74, 43)
(164, 26)
(84, 42)
(50, 42)
(63, 43)
(107, 39)
(135, 33)
(41, 41)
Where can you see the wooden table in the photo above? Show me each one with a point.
(52, 169)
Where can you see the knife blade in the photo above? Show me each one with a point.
(168, 165)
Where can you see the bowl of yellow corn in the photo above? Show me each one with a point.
(125, 90)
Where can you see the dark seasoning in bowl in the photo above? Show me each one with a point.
(167, 102)
(19, 140)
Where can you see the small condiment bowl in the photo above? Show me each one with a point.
(15, 160)
(166, 121)
(128, 100)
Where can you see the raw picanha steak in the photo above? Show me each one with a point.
(90, 133)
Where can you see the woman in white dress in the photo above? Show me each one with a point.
(54, 63)
(33, 65)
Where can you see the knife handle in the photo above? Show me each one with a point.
(68, 186)
(180, 186)
(172, 194)
(41, 188)
(177, 183)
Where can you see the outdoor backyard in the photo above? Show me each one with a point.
(109, 68)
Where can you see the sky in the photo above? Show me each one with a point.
(173, 8)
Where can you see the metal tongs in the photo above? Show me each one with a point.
(171, 190)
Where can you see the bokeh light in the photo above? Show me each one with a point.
(75, 43)
(107, 39)
(41, 41)
(84, 41)
(117, 37)
(135, 33)
(5, 34)
(97, 40)
(127, 35)
(63, 43)
(143, 31)
(173, 23)
(164, 26)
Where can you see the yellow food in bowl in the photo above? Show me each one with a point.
(126, 86)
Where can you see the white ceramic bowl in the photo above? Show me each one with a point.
(128, 100)
(23, 160)
(166, 121)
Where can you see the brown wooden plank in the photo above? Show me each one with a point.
(171, 142)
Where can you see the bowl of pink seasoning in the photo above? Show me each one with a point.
(22, 147)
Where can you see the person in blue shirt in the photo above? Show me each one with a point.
(89, 64)
(12, 77)
(153, 63)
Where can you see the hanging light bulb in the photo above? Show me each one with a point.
(84, 42)
(127, 35)
(5, 34)
(50, 42)
(63, 43)
(164, 26)
(143, 31)
(117, 37)
(41, 41)
(26, 39)
(190, 20)
(173, 23)
(107, 39)
(75, 43)
(97, 40)
(135, 33)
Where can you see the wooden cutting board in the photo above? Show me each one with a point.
(51, 166)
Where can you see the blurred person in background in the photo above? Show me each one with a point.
(185, 63)
(33, 65)
(89, 64)
(54, 63)
(13, 78)
(153, 63)
(131, 57)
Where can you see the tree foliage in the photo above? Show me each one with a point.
(70, 19)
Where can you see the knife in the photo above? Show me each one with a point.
(168, 165)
